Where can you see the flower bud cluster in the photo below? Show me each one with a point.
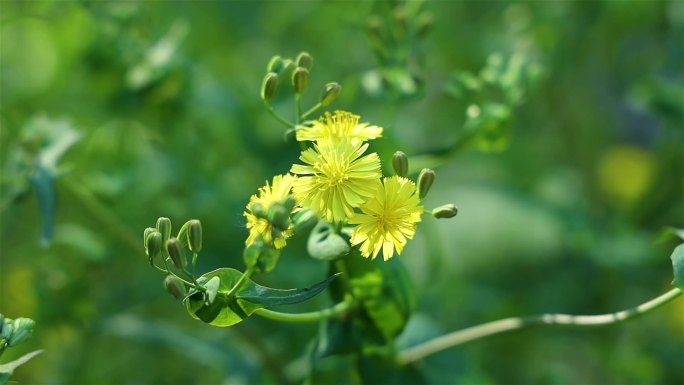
(14, 332)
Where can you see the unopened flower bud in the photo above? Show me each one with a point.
(146, 233)
(164, 227)
(304, 60)
(7, 329)
(330, 93)
(269, 86)
(288, 203)
(175, 250)
(400, 163)
(300, 79)
(154, 244)
(425, 180)
(174, 286)
(279, 216)
(446, 211)
(304, 220)
(23, 328)
(258, 210)
(195, 235)
(276, 64)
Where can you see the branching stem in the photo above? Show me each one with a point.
(305, 317)
(459, 337)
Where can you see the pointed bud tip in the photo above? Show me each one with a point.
(304, 60)
(447, 211)
(400, 163)
(331, 91)
(269, 86)
(195, 235)
(425, 180)
(300, 79)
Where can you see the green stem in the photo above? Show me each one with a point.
(298, 108)
(305, 317)
(278, 117)
(459, 337)
(245, 276)
(193, 284)
(311, 111)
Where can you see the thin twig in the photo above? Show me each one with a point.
(509, 324)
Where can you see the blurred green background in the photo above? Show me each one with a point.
(155, 108)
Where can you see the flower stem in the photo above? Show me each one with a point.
(305, 317)
(278, 117)
(311, 111)
(245, 276)
(459, 337)
(298, 108)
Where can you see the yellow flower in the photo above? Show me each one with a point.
(260, 227)
(336, 178)
(341, 125)
(388, 219)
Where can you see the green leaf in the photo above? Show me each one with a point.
(678, 266)
(270, 297)
(7, 369)
(223, 311)
(325, 244)
(386, 296)
(212, 287)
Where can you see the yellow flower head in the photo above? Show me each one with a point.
(260, 227)
(341, 125)
(336, 178)
(388, 219)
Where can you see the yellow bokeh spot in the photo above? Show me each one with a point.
(625, 173)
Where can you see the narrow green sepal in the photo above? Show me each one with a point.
(425, 180)
(400, 163)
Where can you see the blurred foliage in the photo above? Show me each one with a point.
(114, 113)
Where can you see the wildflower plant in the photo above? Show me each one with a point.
(352, 213)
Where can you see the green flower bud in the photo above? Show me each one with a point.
(330, 93)
(425, 180)
(446, 211)
(174, 286)
(300, 79)
(269, 86)
(279, 216)
(146, 233)
(164, 227)
(276, 64)
(155, 244)
(175, 250)
(258, 210)
(304, 60)
(288, 203)
(304, 220)
(400, 163)
(261, 257)
(7, 329)
(23, 329)
(195, 235)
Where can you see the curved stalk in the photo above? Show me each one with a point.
(509, 324)
(305, 317)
